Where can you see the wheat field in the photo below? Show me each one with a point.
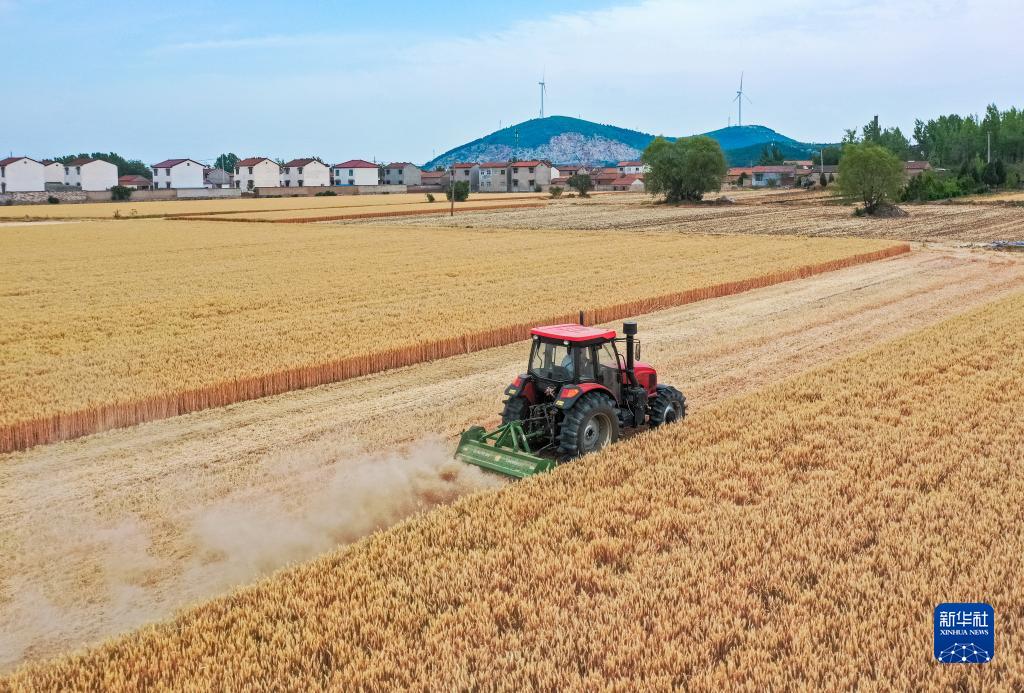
(107, 324)
(421, 207)
(798, 537)
(160, 208)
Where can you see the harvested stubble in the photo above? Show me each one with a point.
(111, 324)
(796, 538)
(161, 208)
(368, 212)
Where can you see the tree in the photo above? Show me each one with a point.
(771, 156)
(684, 169)
(832, 155)
(460, 190)
(581, 183)
(871, 174)
(823, 180)
(227, 162)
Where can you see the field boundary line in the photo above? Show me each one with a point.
(21, 435)
(361, 215)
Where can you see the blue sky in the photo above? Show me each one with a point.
(404, 80)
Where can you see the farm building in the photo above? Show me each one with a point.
(53, 171)
(494, 176)
(437, 179)
(257, 172)
(739, 175)
(400, 173)
(631, 183)
(135, 182)
(217, 178)
(468, 172)
(916, 168)
(305, 173)
(527, 176)
(356, 172)
(567, 170)
(769, 176)
(87, 173)
(603, 178)
(21, 174)
(632, 168)
(178, 173)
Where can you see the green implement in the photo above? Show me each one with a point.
(506, 449)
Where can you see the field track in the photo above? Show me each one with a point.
(127, 500)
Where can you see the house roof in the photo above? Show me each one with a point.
(434, 174)
(628, 179)
(81, 161)
(465, 165)
(737, 170)
(217, 175)
(48, 162)
(494, 164)
(302, 162)
(253, 160)
(798, 162)
(12, 159)
(917, 165)
(630, 163)
(355, 163)
(171, 163)
(772, 169)
(133, 179)
(527, 164)
(400, 164)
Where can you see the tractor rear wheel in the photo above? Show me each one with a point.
(668, 406)
(516, 409)
(590, 425)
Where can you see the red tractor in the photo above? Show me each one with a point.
(578, 394)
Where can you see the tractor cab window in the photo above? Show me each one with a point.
(609, 366)
(551, 361)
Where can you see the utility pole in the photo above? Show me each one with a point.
(821, 153)
(451, 188)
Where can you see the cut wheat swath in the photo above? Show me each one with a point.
(137, 320)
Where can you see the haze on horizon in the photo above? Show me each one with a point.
(195, 79)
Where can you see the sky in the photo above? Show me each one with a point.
(405, 80)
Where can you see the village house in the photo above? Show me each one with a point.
(437, 179)
(915, 168)
(21, 174)
(528, 176)
(567, 170)
(53, 171)
(772, 176)
(356, 172)
(307, 172)
(632, 168)
(633, 182)
(134, 182)
(178, 174)
(469, 173)
(217, 178)
(257, 172)
(401, 173)
(740, 176)
(87, 173)
(603, 178)
(494, 176)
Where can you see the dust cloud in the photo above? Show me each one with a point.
(111, 578)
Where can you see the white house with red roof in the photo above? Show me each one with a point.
(308, 172)
(355, 172)
(468, 172)
(494, 176)
(88, 173)
(53, 171)
(527, 176)
(632, 168)
(772, 176)
(257, 172)
(633, 182)
(401, 173)
(178, 173)
(21, 174)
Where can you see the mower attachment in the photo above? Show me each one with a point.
(506, 449)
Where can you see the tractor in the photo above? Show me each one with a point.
(578, 395)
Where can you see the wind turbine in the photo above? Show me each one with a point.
(543, 90)
(739, 100)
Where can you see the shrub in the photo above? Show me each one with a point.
(430, 197)
(120, 192)
(928, 186)
(326, 193)
(822, 180)
(581, 183)
(555, 191)
(53, 200)
(537, 188)
(461, 191)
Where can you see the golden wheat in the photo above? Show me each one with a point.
(796, 538)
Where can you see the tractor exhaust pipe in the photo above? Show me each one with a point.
(629, 329)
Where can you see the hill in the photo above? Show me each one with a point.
(575, 141)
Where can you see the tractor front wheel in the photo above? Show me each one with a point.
(668, 406)
(590, 425)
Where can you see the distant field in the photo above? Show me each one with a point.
(1005, 196)
(418, 208)
(106, 210)
(110, 323)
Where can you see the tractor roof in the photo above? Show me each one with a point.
(573, 333)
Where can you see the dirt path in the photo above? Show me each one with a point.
(104, 533)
